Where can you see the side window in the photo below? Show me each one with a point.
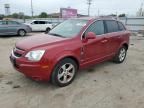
(121, 26)
(112, 26)
(97, 27)
(42, 22)
(12, 23)
(35, 22)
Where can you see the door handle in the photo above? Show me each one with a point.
(104, 41)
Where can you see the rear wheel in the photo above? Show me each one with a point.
(21, 32)
(120, 57)
(47, 30)
(64, 72)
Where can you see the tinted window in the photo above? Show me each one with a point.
(42, 22)
(112, 26)
(97, 27)
(121, 26)
(39, 22)
(35, 22)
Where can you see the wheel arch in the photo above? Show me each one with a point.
(21, 29)
(48, 28)
(70, 57)
(126, 45)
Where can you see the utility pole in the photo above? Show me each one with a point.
(32, 8)
(89, 2)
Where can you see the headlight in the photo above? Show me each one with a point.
(35, 55)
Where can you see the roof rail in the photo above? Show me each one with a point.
(111, 17)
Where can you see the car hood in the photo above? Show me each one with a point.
(37, 41)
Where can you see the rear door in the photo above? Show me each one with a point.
(38, 26)
(113, 35)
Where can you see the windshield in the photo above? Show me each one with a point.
(68, 28)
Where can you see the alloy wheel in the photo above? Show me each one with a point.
(66, 73)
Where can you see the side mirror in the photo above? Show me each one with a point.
(90, 35)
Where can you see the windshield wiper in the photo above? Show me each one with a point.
(54, 34)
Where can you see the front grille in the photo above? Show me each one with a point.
(13, 60)
(17, 52)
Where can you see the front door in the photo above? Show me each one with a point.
(95, 50)
(38, 26)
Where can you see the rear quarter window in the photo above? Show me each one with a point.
(121, 26)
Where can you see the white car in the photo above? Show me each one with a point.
(40, 25)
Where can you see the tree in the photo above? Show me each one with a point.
(122, 15)
(15, 15)
(43, 15)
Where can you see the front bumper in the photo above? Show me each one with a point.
(36, 71)
(28, 29)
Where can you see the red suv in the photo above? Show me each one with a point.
(70, 46)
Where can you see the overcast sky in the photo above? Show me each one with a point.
(105, 7)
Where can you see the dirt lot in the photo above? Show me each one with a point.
(106, 85)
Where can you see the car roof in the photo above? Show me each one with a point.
(98, 18)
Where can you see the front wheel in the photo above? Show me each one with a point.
(120, 57)
(47, 30)
(64, 72)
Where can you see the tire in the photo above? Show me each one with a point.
(121, 55)
(64, 72)
(22, 32)
(47, 30)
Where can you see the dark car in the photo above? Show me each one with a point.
(13, 28)
(70, 46)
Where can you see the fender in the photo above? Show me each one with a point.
(64, 54)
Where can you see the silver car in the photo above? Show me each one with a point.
(13, 28)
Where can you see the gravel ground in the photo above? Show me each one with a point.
(107, 85)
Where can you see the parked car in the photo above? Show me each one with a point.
(13, 28)
(70, 46)
(40, 25)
